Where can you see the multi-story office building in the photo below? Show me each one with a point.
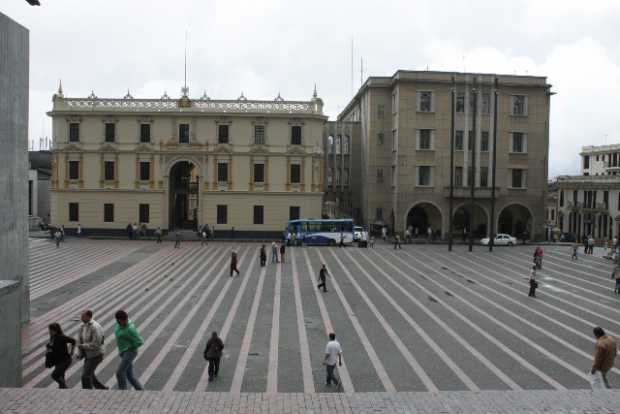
(179, 163)
(404, 146)
(600, 159)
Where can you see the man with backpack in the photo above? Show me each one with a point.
(213, 354)
(90, 347)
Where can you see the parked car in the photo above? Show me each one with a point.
(357, 232)
(501, 239)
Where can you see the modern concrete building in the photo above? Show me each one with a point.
(404, 145)
(14, 286)
(179, 163)
(600, 159)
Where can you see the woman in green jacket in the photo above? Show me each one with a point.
(128, 341)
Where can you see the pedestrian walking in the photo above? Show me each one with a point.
(129, 231)
(371, 243)
(158, 234)
(294, 239)
(213, 354)
(591, 245)
(274, 252)
(538, 257)
(57, 354)
(407, 236)
(322, 279)
(616, 275)
(233, 263)
(90, 348)
(397, 242)
(57, 237)
(333, 356)
(263, 256)
(605, 351)
(134, 231)
(203, 238)
(78, 230)
(384, 233)
(429, 234)
(282, 251)
(128, 340)
(574, 249)
(177, 239)
(533, 282)
(341, 242)
(289, 236)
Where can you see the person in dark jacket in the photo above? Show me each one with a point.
(57, 353)
(263, 256)
(233, 264)
(213, 354)
(282, 251)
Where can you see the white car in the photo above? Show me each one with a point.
(502, 239)
(357, 232)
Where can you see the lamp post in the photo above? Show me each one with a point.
(472, 183)
(451, 199)
(493, 166)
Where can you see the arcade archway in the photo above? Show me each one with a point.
(184, 196)
(462, 224)
(424, 215)
(515, 220)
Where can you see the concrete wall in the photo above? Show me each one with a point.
(14, 194)
(10, 340)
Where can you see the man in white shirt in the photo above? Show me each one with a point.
(333, 355)
(90, 347)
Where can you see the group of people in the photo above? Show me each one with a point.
(276, 248)
(135, 232)
(61, 351)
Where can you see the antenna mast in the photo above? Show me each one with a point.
(361, 71)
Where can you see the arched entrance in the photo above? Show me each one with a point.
(515, 220)
(424, 215)
(461, 222)
(183, 211)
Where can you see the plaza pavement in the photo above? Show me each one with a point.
(420, 319)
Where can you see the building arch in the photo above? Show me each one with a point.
(460, 220)
(183, 193)
(516, 219)
(423, 214)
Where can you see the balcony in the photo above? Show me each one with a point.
(465, 192)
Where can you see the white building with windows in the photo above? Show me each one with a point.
(600, 159)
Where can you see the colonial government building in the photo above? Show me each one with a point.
(179, 163)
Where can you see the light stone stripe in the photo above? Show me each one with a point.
(170, 314)
(304, 347)
(470, 348)
(37, 333)
(471, 324)
(533, 310)
(110, 322)
(203, 382)
(370, 350)
(343, 371)
(237, 381)
(57, 256)
(137, 311)
(201, 331)
(413, 363)
(583, 263)
(52, 271)
(272, 372)
(578, 372)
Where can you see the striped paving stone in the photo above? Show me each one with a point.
(416, 320)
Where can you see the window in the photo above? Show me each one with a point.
(458, 141)
(145, 170)
(183, 133)
(345, 176)
(425, 101)
(379, 175)
(296, 135)
(337, 144)
(606, 199)
(144, 211)
(380, 111)
(222, 172)
(597, 158)
(379, 214)
(259, 173)
(484, 177)
(259, 215)
(294, 212)
(74, 212)
(586, 161)
(222, 214)
(108, 170)
(295, 173)
(460, 102)
(519, 142)
(222, 134)
(484, 141)
(74, 170)
(470, 175)
(518, 178)
(345, 145)
(425, 139)
(575, 197)
(380, 138)
(74, 132)
(458, 176)
(110, 132)
(424, 175)
(519, 105)
(562, 198)
(145, 133)
(108, 213)
(259, 134)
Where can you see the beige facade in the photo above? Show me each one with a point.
(239, 163)
(405, 131)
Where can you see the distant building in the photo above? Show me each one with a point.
(600, 159)
(551, 212)
(403, 144)
(39, 176)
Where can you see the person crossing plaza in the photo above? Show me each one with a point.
(59, 351)
(128, 340)
(282, 251)
(90, 348)
(574, 249)
(177, 239)
(263, 256)
(533, 282)
(233, 263)
(322, 279)
(616, 275)
(57, 237)
(538, 257)
(158, 233)
(213, 354)
(333, 356)
(397, 244)
(274, 252)
(605, 351)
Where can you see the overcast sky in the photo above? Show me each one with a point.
(262, 47)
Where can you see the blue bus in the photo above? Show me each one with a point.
(322, 232)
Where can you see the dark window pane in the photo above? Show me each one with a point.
(458, 141)
(222, 214)
(294, 212)
(109, 170)
(145, 170)
(222, 134)
(145, 132)
(184, 133)
(222, 172)
(74, 170)
(295, 173)
(258, 215)
(108, 213)
(259, 173)
(259, 134)
(484, 141)
(296, 135)
(144, 213)
(110, 132)
(74, 132)
(74, 212)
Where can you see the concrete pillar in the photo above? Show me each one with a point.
(10, 340)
